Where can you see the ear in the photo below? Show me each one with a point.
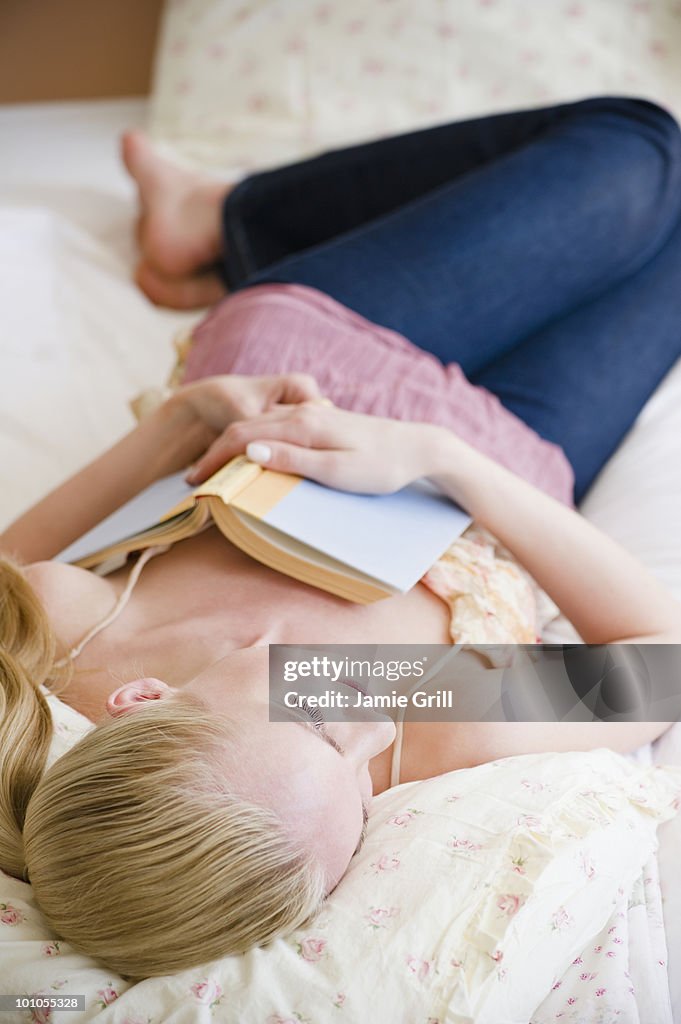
(136, 693)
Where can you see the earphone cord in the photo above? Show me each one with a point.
(121, 601)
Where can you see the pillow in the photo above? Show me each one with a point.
(524, 859)
(68, 724)
(242, 84)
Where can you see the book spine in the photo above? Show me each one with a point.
(230, 480)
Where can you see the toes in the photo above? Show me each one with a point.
(133, 144)
(178, 232)
(126, 149)
(195, 291)
(149, 170)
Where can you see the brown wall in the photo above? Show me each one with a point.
(76, 49)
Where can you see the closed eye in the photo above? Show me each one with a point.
(320, 730)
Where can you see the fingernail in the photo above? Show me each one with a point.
(191, 474)
(258, 452)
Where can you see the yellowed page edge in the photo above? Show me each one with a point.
(346, 585)
(259, 497)
(161, 534)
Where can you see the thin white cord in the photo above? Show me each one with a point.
(121, 601)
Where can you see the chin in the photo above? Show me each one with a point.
(388, 731)
(366, 787)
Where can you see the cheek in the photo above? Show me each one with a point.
(325, 813)
(317, 794)
(366, 786)
(337, 842)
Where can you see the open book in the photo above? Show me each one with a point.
(357, 546)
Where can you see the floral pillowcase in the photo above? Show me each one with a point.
(241, 84)
(474, 892)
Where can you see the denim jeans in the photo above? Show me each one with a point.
(540, 250)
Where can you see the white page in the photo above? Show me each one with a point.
(137, 515)
(393, 537)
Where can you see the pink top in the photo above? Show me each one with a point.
(281, 328)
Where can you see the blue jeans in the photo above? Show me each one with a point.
(540, 250)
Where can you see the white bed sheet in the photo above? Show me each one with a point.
(80, 341)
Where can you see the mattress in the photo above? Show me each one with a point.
(80, 341)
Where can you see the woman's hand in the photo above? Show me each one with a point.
(219, 401)
(347, 450)
(606, 594)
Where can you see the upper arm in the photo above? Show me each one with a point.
(667, 637)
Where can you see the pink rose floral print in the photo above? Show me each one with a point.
(207, 992)
(312, 949)
(10, 915)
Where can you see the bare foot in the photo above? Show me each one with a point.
(179, 230)
(191, 291)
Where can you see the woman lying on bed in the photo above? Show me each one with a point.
(544, 254)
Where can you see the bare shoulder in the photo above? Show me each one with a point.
(73, 598)
(433, 748)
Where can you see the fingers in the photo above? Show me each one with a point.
(303, 425)
(314, 463)
(225, 398)
(342, 469)
(297, 387)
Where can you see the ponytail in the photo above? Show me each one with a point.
(27, 656)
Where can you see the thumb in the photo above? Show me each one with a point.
(315, 463)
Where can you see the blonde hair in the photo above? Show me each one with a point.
(137, 852)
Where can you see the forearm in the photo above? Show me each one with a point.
(168, 440)
(605, 592)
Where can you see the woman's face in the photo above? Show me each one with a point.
(314, 775)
